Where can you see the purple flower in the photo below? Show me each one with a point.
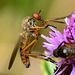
(67, 65)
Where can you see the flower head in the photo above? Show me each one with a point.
(63, 45)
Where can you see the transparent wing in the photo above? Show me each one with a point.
(14, 53)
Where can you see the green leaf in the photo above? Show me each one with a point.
(48, 67)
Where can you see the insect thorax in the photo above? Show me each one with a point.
(26, 32)
(27, 23)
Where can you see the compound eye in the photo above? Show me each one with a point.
(37, 16)
(29, 19)
(55, 52)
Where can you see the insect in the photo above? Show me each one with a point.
(66, 51)
(29, 29)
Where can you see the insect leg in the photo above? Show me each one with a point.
(61, 17)
(61, 44)
(71, 36)
(54, 20)
(50, 25)
(39, 28)
(38, 56)
(32, 28)
(71, 33)
(51, 20)
(35, 40)
(32, 47)
(48, 59)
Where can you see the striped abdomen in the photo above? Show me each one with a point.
(25, 58)
(24, 42)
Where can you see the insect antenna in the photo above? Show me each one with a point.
(40, 11)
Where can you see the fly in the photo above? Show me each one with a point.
(29, 29)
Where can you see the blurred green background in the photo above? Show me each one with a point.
(11, 14)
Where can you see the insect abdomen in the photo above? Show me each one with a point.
(24, 42)
(25, 59)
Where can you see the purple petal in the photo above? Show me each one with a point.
(52, 33)
(67, 21)
(73, 70)
(52, 28)
(73, 17)
(48, 52)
